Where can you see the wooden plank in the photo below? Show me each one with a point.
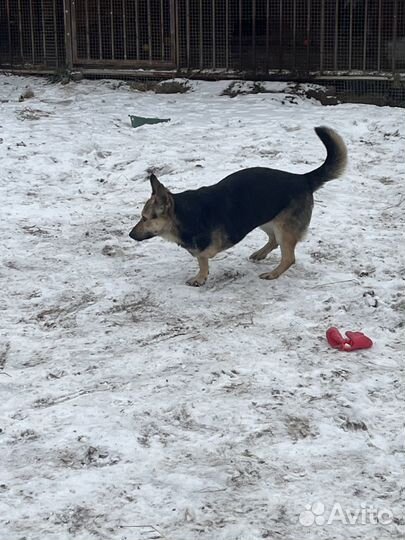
(68, 32)
(43, 31)
(201, 40)
(137, 28)
(73, 38)
(112, 37)
(124, 27)
(226, 34)
(254, 34)
(336, 37)
(214, 44)
(350, 35)
(322, 37)
(379, 35)
(268, 34)
(188, 33)
(86, 9)
(149, 30)
(172, 32)
(55, 32)
(365, 34)
(308, 32)
(20, 34)
(294, 34)
(32, 33)
(162, 31)
(394, 37)
(100, 44)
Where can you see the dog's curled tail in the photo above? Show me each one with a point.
(335, 162)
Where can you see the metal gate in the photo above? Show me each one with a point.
(292, 36)
(32, 33)
(136, 33)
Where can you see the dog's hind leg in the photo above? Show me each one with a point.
(287, 241)
(289, 227)
(202, 275)
(262, 253)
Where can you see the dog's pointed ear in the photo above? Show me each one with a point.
(162, 194)
(157, 187)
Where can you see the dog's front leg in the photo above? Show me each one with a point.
(202, 275)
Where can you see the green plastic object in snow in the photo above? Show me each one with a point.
(137, 121)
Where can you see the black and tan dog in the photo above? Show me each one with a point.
(211, 219)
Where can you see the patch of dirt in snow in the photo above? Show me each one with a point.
(135, 407)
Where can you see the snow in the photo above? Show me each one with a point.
(136, 407)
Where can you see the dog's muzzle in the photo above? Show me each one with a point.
(138, 235)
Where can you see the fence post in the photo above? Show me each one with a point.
(322, 37)
(394, 38)
(174, 8)
(67, 8)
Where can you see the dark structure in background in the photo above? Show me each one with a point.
(32, 34)
(266, 39)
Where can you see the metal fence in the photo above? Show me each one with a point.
(294, 38)
(122, 32)
(32, 33)
(331, 36)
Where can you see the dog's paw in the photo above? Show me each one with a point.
(258, 255)
(196, 281)
(269, 275)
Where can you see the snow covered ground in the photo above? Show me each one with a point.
(136, 407)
